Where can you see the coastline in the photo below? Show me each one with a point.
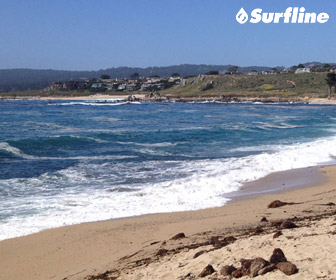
(142, 97)
(74, 252)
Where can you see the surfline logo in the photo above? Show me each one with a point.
(291, 15)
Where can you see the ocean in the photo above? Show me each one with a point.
(69, 162)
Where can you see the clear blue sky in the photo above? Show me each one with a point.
(97, 34)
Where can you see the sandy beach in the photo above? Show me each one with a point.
(142, 248)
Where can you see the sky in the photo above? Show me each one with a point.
(99, 34)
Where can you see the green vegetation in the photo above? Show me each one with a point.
(105, 77)
(281, 85)
(331, 82)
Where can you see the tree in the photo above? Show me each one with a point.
(105, 77)
(331, 82)
(135, 76)
(233, 69)
(175, 75)
(300, 66)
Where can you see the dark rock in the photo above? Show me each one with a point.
(287, 267)
(162, 252)
(277, 234)
(278, 256)
(288, 225)
(267, 269)
(199, 253)
(264, 219)
(208, 270)
(227, 270)
(245, 266)
(256, 265)
(132, 98)
(178, 236)
(237, 273)
(276, 204)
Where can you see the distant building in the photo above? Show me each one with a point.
(286, 71)
(302, 70)
(269, 72)
(122, 87)
(253, 73)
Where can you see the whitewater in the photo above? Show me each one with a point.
(65, 162)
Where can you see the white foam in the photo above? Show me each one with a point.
(205, 186)
(162, 144)
(15, 151)
(95, 103)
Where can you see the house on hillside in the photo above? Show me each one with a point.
(302, 70)
(253, 73)
(286, 71)
(270, 72)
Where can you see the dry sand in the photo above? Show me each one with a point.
(129, 247)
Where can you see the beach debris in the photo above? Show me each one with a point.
(284, 224)
(161, 252)
(287, 224)
(328, 204)
(178, 236)
(199, 253)
(227, 270)
(107, 275)
(277, 203)
(219, 243)
(267, 269)
(277, 234)
(237, 273)
(258, 230)
(256, 265)
(264, 220)
(208, 270)
(145, 261)
(287, 267)
(278, 256)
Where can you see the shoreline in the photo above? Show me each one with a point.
(90, 248)
(144, 98)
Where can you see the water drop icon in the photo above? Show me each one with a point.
(242, 16)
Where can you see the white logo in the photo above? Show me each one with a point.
(291, 15)
(242, 16)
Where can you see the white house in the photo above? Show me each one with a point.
(302, 70)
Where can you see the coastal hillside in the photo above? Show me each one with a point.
(281, 85)
(12, 80)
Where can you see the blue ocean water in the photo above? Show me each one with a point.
(67, 162)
